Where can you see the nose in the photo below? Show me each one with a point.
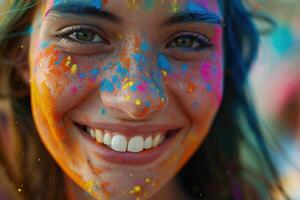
(136, 86)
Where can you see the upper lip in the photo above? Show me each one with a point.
(131, 129)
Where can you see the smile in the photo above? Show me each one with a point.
(123, 142)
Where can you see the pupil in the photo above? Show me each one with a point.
(85, 36)
(185, 42)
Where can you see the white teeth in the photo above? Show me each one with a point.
(99, 135)
(136, 144)
(156, 141)
(119, 143)
(162, 138)
(92, 132)
(148, 143)
(107, 138)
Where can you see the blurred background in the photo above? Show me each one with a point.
(275, 80)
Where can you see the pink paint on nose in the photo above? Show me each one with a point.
(142, 87)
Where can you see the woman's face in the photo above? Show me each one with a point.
(124, 92)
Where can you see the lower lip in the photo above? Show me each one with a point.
(128, 158)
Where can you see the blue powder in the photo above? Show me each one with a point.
(103, 111)
(44, 44)
(94, 72)
(123, 72)
(106, 85)
(145, 46)
(163, 63)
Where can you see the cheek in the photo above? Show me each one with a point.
(67, 78)
(199, 86)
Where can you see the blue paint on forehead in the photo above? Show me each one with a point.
(210, 16)
(93, 3)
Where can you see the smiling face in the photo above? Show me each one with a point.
(124, 92)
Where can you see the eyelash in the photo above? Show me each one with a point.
(203, 41)
(67, 32)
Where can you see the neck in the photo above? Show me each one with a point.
(171, 191)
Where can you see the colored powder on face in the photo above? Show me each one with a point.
(94, 72)
(208, 87)
(149, 4)
(82, 75)
(142, 87)
(175, 6)
(145, 46)
(74, 90)
(114, 79)
(133, 4)
(148, 104)
(164, 72)
(139, 58)
(128, 97)
(163, 63)
(184, 67)
(44, 44)
(106, 85)
(74, 69)
(103, 111)
(133, 88)
(138, 102)
(207, 15)
(94, 3)
(123, 72)
(206, 71)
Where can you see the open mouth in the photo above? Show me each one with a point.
(134, 143)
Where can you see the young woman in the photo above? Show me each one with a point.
(126, 94)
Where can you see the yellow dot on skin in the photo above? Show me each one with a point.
(125, 86)
(130, 83)
(137, 188)
(164, 73)
(128, 97)
(147, 180)
(74, 69)
(131, 192)
(138, 102)
(19, 190)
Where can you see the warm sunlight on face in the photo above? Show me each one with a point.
(124, 92)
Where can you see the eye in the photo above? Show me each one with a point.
(190, 42)
(81, 34)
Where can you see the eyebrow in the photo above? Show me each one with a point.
(83, 10)
(194, 12)
(187, 17)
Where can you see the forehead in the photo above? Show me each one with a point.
(164, 6)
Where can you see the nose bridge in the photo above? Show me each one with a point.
(142, 89)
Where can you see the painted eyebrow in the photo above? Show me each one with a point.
(83, 10)
(191, 16)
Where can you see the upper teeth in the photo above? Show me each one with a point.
(120, 143)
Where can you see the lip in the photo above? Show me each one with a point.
(130, 130)
(128, 158)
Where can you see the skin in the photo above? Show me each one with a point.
(183, 87)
